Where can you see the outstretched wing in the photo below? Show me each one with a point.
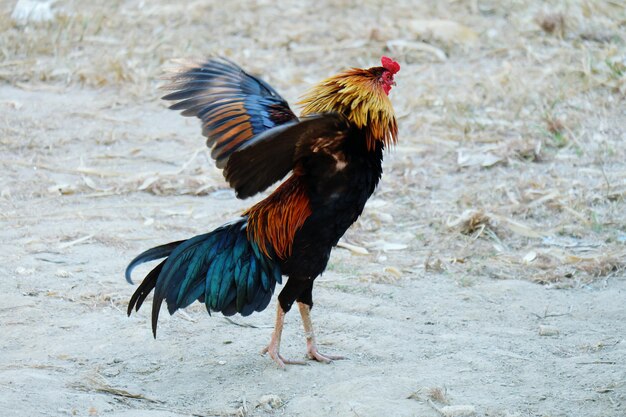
(233, 105)
(270, 156)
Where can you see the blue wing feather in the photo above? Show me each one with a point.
(240, 281)
(252, 282)
(233, 105)
(196, 269)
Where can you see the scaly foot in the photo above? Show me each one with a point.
(281, 361)
(274, 346)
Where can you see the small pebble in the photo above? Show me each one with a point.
(458, 411)
(62, 273)
(548, 331)
(20, 270)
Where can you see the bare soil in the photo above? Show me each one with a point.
(485, 278)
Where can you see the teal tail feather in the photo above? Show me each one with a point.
(222, 269)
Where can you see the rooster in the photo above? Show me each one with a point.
(334, 153)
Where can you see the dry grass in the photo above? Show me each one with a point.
(511, 129)
(436, 394)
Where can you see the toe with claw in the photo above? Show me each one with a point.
(314, 354)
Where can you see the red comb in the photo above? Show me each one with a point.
(390, 65)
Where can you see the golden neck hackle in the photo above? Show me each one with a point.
(357, 95)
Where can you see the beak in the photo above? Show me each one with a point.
(393, 83)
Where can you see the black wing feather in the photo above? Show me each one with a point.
(268, 157)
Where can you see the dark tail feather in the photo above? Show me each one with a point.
(150, 255)
(144, 289)
(223, 269)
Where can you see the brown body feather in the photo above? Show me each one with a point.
(276, 219)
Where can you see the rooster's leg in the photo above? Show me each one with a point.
(273, 349)
(311, 345)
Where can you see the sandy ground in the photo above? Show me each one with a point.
(493, 283)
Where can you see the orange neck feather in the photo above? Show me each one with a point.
(275, 220)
